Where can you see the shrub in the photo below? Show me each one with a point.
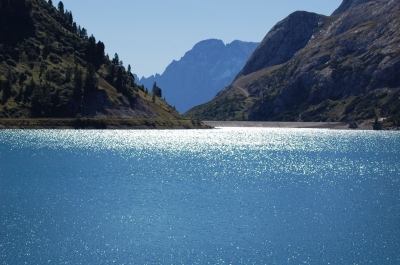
(27, 72)
(11, 62)
(54, 58)
(32, 55)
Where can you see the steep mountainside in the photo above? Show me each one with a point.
(49, 67)
(201, 72)
(349, 70)
(347, 4)
(283, 41)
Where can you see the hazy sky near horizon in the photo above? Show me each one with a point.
(150, 34)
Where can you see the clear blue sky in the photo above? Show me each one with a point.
(149, 34)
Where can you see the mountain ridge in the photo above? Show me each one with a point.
(201, 72)
(349, 70)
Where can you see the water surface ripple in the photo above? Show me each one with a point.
(223, 196)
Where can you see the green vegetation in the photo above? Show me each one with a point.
(51, 68)
(232, 106)
(100, 123)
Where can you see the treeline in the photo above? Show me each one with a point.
(122, 79)
(45, 98)
(48, 64)
(16, 4)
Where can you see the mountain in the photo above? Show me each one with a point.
(348, 70)
(283, 41)
(201, 72)
(49, 67)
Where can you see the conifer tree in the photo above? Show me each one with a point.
(156, 90)
(74, 28)
(37, 100)
(91, 81)
(116, 59)
(7, 86)
(28, 90)
(78, 84)
(50, 2)
(120, 79)
(83, 34)
(61, 7)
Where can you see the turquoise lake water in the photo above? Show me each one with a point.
(222, 196)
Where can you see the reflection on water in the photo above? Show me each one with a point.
(232, 195)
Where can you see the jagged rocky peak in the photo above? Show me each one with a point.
(347, 4)
(207, 44)
(347, 68)
(283, 41)
(204, 70)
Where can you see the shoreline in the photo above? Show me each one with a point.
(161, 124)
(100, 123)
(359, 125)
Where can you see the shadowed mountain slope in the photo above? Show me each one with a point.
(49, 67)
(349, 70)
(283, 41)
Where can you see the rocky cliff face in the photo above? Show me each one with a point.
(347, 4)
(201, 72)
(283, 41)
(349, 69)
(356, 55)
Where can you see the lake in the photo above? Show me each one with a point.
(222, 196)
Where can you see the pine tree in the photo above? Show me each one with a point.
(28, 90)
(120, 79)
(116, 59)
(7, 86)
(50, 2)
(83, 34)
(61, 7)
(74, 28)
(156, 90)
(91, 81)
(37, 101)
(78, 84)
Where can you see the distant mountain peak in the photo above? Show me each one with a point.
(201, 72)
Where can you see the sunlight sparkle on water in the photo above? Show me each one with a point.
(231, 195)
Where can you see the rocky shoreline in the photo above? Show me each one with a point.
(356, 125)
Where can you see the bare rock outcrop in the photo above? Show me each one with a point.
(201, 72)
(285, 39)
(356, 54)
(347, 4)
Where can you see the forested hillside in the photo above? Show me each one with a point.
(50, 67)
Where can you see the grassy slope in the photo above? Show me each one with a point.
(234, 102)
(51, 36)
